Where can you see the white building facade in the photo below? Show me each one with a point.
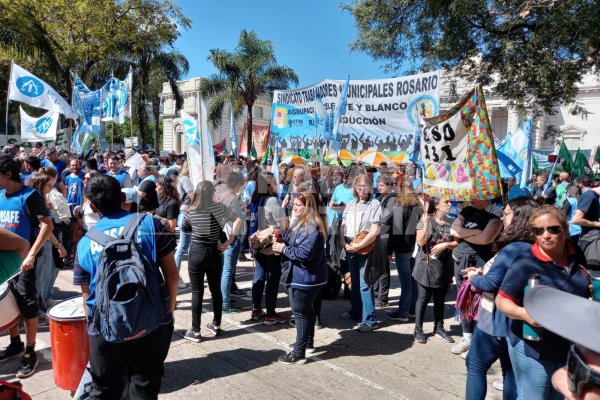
(579, 123)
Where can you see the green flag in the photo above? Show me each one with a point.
(597, 155)
(565, 156)
(536, 167)
(581, 166)
(268, 155)
(253, 153)
(225, 152)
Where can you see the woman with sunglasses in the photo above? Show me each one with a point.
(559, 264)
(489, 338)
(303, 246)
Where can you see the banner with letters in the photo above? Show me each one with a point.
(40, 129)
(381, 114)
(29, 89)
(458, 152)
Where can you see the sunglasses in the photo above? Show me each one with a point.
(554, 230)
(579, 373)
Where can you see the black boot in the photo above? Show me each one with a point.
(441, 332)
(419, 335)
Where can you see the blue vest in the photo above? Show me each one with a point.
(119, 176)
(13, 212)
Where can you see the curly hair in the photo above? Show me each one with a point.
(520, 229)
(406, 195)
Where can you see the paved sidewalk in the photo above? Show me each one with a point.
(242, 364)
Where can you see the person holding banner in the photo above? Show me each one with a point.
(475, 228)
(361, 224)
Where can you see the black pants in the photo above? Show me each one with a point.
(424, 297)
(203, 260)
(301, 301)
(140, 361)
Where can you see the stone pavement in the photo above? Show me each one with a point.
(242, 364)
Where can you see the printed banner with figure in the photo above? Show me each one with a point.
(116, 96)
(260, 138)
(381, 114)
(458, 153)
(40, 129)
(29, 89)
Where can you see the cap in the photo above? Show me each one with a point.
(575, 318)
(131, 195)
(129, 152)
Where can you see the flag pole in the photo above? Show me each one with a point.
(8, 101)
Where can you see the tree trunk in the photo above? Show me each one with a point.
(142, 123)
(249, 137)
(156, 115)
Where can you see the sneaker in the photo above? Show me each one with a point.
(292, 322)
(465, 354)
(11, 351)
(441, 332)
(411, 316)
(257, 315)
(310, 348)
(237, 292)
(380, 303)
(192, 336)
(274, 319)
(498, 385)
(182, 284)
(290, 358)
(348, 316)
(460, 348)
(420, 336)
(214, 329)
(396, 316)
(367, 328)
(28, 365)
(243, 258)
(318, 323)
(231, 310)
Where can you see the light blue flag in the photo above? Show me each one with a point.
(322, 119)
(514, 154)
(190, 129)
(232, 134)
(340, 110)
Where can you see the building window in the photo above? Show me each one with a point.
(258, 112)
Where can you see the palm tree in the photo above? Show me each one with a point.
(244, 74)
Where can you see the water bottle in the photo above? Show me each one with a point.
(530, 332)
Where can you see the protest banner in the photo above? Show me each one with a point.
(40, 129)
(458, 152)
(260, 139)
(116, 99)
(381, 114)
(514, 154)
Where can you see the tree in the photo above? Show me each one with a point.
(533, 51)
(244, 74)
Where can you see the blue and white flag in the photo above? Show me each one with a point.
(190, 129)
(340, 110)
(232, 133)
(514, 154)
(275, 166)
(40, 129)
(322, 119)
(29, 89)
(87, 103)
(191, 134)
(116, 96)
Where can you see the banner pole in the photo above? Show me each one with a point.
(8, 101)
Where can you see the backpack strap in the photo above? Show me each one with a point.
(99, 237)
(132, 225)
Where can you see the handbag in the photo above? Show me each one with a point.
(358, 237)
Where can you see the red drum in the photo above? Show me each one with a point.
(69, 341)
(9, 311)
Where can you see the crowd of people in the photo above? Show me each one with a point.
(312, 227)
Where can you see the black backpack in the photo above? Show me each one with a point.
(131, 295)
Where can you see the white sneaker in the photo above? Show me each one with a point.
(460, 347)
(182, 284)
(498, 385)
(464, 355)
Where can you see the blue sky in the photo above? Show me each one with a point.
(311, 36)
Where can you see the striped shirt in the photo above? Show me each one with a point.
(206, 225)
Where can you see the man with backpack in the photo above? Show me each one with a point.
(129, 304)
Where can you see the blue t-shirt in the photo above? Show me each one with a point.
(588, 204)
(19, 212)
(74, 186)
(341, 194)
(516, 191)
(151, 237)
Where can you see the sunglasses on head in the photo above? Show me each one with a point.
(554, 229)
(579, 373)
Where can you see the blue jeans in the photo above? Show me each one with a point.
(45, 272)
(533, 376)
(485, 350)
(184, 242)
(364, 298)
(230, 259)
(267, 272)
(301, 301)
(408, 286)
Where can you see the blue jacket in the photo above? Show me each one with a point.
(496, 323)
(305, 251)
